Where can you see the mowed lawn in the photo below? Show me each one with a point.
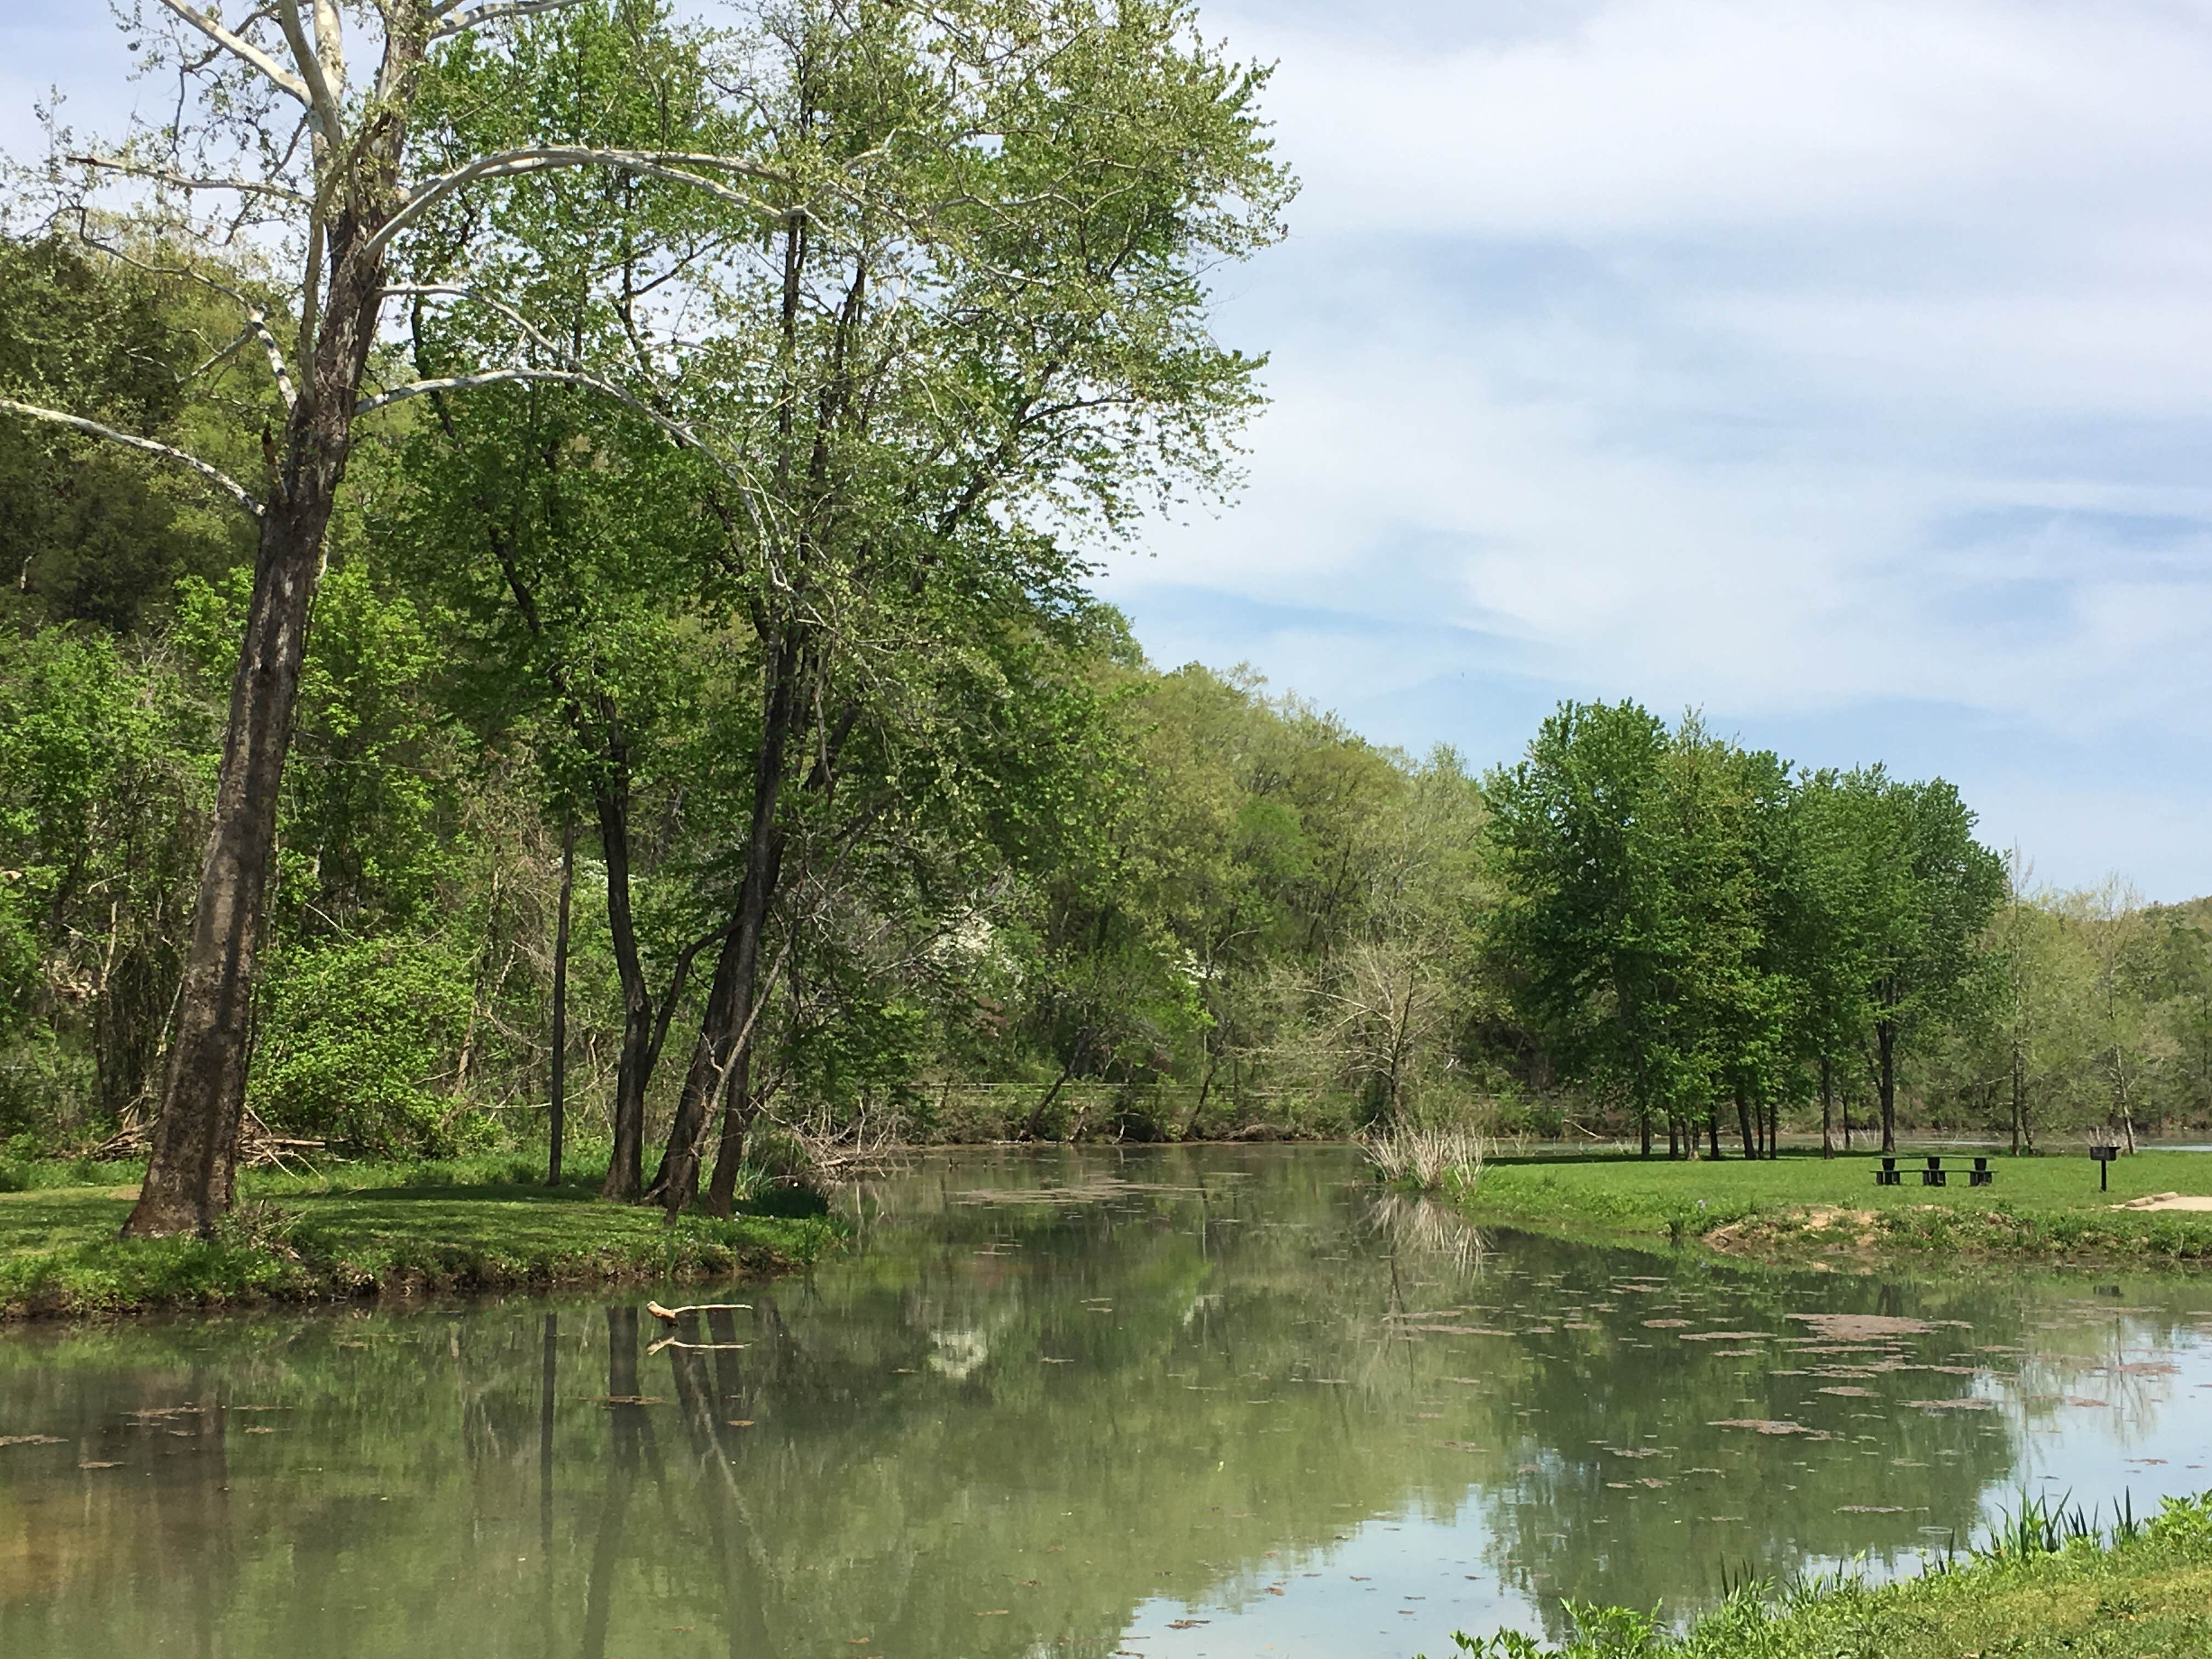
(2044, 1205)
(360, 1231)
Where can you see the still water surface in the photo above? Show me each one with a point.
(1192, 1401)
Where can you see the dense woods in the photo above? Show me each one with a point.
(704, 731)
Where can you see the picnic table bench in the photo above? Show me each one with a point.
(1935, 1174)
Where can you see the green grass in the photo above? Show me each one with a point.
(360, 1230)
(2046, 1208)
(2043, 1587)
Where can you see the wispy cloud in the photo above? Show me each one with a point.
(1842, 368)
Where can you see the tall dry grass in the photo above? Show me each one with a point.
(1426, 1157)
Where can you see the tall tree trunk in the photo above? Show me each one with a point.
(625, 1167)
(1827, 1107)
(1713, 1131)
(726, 1029)
(191, 1171)
(1206, 1087)
(2019, 1096)
(1644, 1124)
(1673, 1138)
(1885, 1036)
(1773, 1130)
(1743, 1126)
(557, 1114)
(1034, 1129)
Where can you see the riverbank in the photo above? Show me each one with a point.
(2145, 1596)
(368, 1230)
(1803, 1205)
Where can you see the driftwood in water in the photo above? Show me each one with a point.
(669, 1316)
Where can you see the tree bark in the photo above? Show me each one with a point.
(1885, 1036)
(725, 1031)
(191, 1171)
(625, 1168)
(1644, 1124)
(558, 1094)
(1827, 1108)
(1713, 1132)
(1743, 1126)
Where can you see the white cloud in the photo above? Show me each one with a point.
(1662, 114)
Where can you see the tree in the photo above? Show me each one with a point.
(1927, 891)
(320, 166)
(1000, 339)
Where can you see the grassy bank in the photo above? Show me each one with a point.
(2031, 1592)
(2048, 1208)
(364, 1231)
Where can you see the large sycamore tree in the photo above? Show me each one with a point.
(279, 145)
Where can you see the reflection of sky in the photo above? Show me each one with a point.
(1425, 1578)
(2085, 1433)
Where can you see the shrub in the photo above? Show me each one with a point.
(358, 1034)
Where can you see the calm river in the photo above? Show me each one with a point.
(1171, 1403)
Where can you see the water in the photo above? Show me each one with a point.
(1175, 1403)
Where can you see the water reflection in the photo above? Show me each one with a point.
(1180, 1401)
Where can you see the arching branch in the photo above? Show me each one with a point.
(678, 168)
(282, 78)
(685, 436)
(236, 490)
(322, 97)
(461, 18)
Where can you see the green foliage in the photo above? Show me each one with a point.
(103, 772)
(90, 533)
(360, 1036)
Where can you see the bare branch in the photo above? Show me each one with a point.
(162, 175)
(243, 49)
(463, 19)
(677, 166)
(220, 356)
(236, 490)
(257, 320)
(320, 99)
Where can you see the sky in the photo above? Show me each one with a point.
(1843, 370)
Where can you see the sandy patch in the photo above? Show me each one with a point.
(2166, 1201)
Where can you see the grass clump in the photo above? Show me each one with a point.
(1426, 1157)
(359, 1231)
(2048, 1582)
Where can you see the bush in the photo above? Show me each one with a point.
(358, 1036)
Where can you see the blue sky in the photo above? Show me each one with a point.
(1844, 369)
(1840, 369)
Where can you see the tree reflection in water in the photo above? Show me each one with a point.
(1054, 1392)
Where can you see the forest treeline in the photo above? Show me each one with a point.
(1063, 892)
(705, 721)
